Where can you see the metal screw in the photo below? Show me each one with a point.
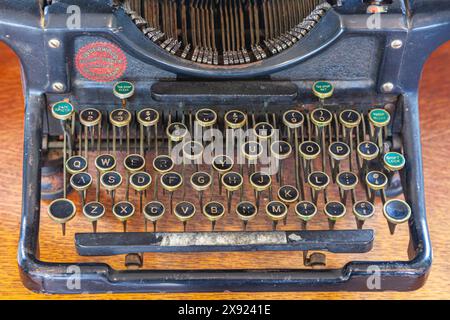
(54, 43)
(388, 87)
(396, 44)
(58, 86)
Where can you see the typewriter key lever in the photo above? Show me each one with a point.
(232, 181)
(213, 211)
(323, 90)
(288, 195)
(334, 210)
(81, 182)
(184, 211)
(396, 212)
(379, 118)
(103, 163)
(62, 211)
(276, 211)
(111, 180)
(171, 181)
(76, 164)
(363, 210)
(148, 118)
(123, 90)
(246, 211)
(123, 211)
(94, 211)
(305, 210)
(140, 182)
(201, 181)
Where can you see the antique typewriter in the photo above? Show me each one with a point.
(282, 134)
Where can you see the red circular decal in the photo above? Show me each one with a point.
(101, 61)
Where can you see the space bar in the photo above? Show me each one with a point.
(337, 241)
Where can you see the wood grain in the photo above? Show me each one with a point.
(434, 97)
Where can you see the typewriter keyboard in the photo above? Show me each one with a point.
(306, 178)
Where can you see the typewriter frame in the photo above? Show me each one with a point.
(23, 32)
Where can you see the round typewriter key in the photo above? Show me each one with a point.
(120, 117)
(153, 211)
(193, 150)
(264, 130)
(76, 164)
(222, 164)
(123, 90)
(376, 181)
(379, 117)
(184, 211)
(252, 150)
(394, 161)
(148, 117)
(62, 110)
(176, 131)
(206, 117)
(140, 181)
(309, 150)
(347, 180)
(276, 211)
(368, 150)
(323, 89)
(321, 117)
(293, 119)
(305, 210)
(62, 211)
(235, 119)
(363, 210)
(134, 163)
(105, 162)
(111, 180)
(232, 181)
(339, 151)
(81, 182)
(201, 181)
(318, 181)
(123, 211)
(281, 149)
(163, 164)
(90, 117)
(396, 212)
(260, 181)
(171, 181)
(349, 118)
(288, 194)
(213, 211)
(334, 210)
(94, 211)
(246, 211)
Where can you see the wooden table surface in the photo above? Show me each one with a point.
(435, 122)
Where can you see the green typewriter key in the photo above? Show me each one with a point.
(363, 210)
(246, 211)
(347, 182)
(379, 118)
(282, 150)
(123, 90)
(318, 181)
(349, 119)
(276, 211)
(252, 151)
(103, 163)
(90, 118)
(201, 181)
(235, 119)
(260, 182)
(213, 211)
(63, 111)
(123, 211)
(334, 210)
(321, 118)
(222, 164)
(161, 164)
(120, 118)
(184, 211)
(81, 182)
(393, 161)
(132, 163)
(305, 210)
(338, 151)
(62, 211)
(111, 180)
(232, 181)
(309, 150)
(153, 211)
(140, 182)
(396, 212)
(76, 164)
(171, 181)
(294, 120)
(148, 118)
(367, 151)
(176, 132)
(323, 90)
(94, 211)
(376, 181)
(288, 195)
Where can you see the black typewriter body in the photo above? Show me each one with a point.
(371, 52)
